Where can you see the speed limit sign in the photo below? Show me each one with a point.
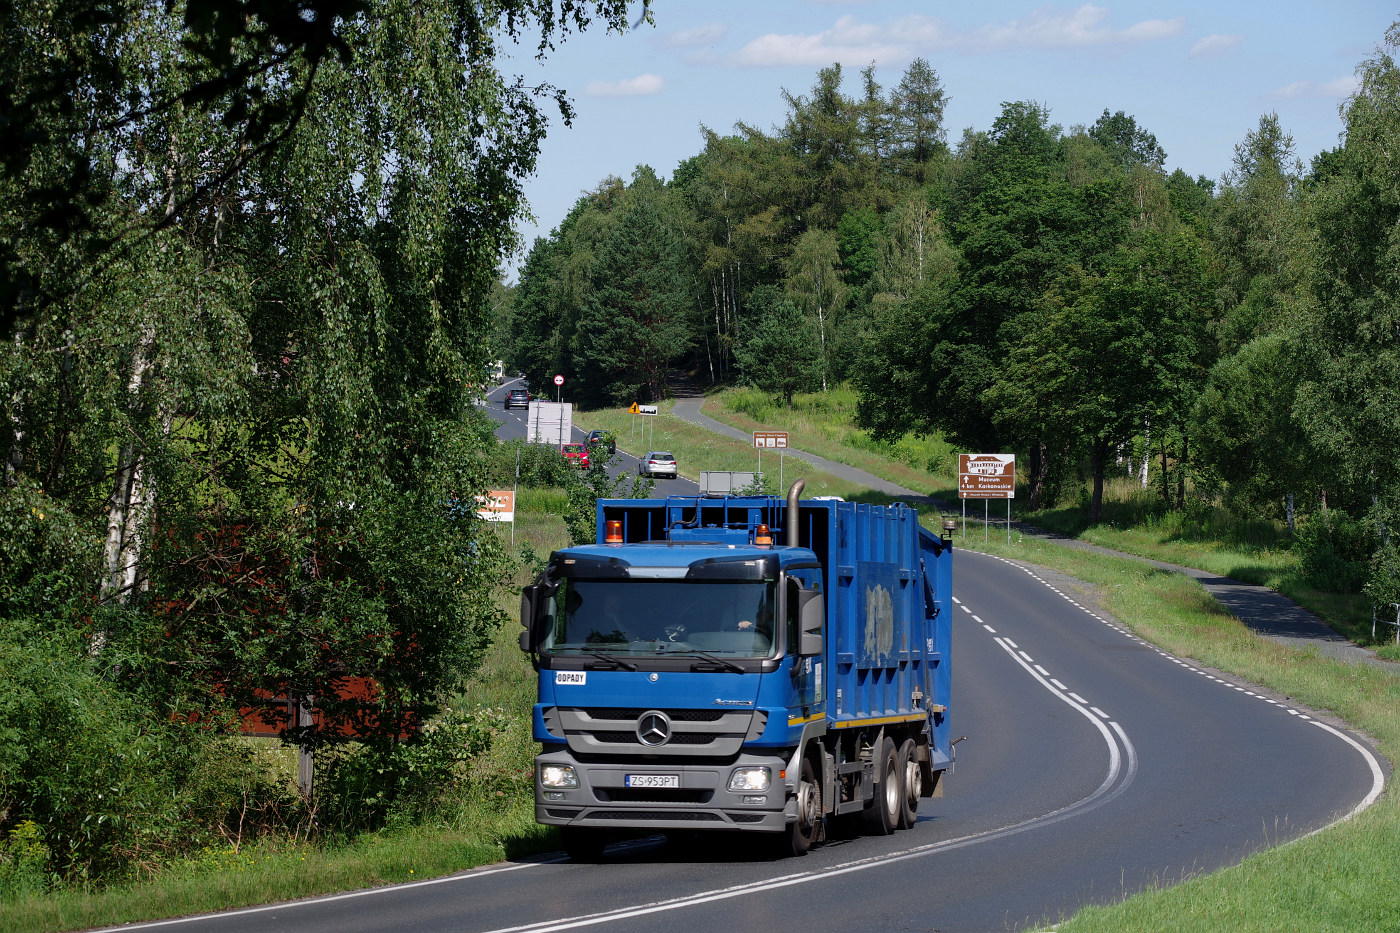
(558, 380)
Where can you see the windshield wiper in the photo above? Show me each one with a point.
(597, 653)
(712, 658)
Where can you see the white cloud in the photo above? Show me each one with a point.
(1329, 90)
(1050, 28)
(699, 36)
(847, 41)
(641, 86)
(1214, 46)
(851, 41)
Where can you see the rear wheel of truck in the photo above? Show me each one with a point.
(804, 831)
(913, 784)
(881, 815)
(583, 845)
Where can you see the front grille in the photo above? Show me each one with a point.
(612, 730)
(746, 817)
(651, 795)
(670, 816)
(677, 715)
(677, 738)
(560, 813)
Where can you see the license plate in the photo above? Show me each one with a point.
(653, 780)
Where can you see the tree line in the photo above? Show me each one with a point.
(1029, 288)
(246, 259)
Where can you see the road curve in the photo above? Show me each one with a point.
(1095, 765)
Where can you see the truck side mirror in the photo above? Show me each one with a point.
(811, 616)
(530, 599)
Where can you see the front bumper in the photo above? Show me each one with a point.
(703, 801)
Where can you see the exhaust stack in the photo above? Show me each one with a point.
(793, 493)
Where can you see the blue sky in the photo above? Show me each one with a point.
(1197, 74)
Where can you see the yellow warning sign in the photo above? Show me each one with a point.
(634, 409)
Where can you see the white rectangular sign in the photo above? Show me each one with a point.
(550, 422)
(765, 440)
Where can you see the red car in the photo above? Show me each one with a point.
(575, 455)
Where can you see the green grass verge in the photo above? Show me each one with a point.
(823, 423)
(1341, 879)
(697, 449)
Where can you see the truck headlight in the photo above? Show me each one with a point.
(747, 780)
(558, 776)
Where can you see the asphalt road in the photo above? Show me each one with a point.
(515, 420)
(1095, 766)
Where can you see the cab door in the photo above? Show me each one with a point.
(806, 673)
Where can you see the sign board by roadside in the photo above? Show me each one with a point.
(769, 439)
(558, 380)
(498, 505)
(641, 409)
(987, 476)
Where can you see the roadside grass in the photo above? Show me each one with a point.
(1209, 538)
(495, 820)
(1135, 520)
(697, 449)
(823, 423)
(1341, 879)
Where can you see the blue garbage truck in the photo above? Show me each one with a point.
(744, 663)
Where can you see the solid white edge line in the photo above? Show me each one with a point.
(329, 898)
(1377, 773)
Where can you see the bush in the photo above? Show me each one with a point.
(1335, 551)
(758, 405)
(47, 562)
(362, 787)
(1383, 581)
(24, 863)
(541, 465)
(95, 774)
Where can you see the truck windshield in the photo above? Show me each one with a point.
(730, 618)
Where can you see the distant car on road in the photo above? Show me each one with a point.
(516, 398)
(575, 455)
(602, 439)
(657, 463)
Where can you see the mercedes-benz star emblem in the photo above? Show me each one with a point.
(653, 728)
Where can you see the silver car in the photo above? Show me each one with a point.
(657, 463)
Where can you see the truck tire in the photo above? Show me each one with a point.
(913, 783)
(804, 832)
(583, 845)
(881, 815)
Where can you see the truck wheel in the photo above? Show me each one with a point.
(881, 814)
(913, 784)
(802, 833)
(583, 845)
